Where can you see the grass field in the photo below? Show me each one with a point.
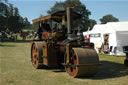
(16, 69)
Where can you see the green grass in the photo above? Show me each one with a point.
(16, 69)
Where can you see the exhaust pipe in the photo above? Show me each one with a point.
(69, 20)
(70, 23)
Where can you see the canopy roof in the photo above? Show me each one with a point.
(57, 16)
(41, 19)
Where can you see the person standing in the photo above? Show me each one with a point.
(40, 30)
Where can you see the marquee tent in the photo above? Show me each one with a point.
(117, 36)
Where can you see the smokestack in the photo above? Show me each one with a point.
(69, 19)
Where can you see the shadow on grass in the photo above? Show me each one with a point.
(107, 70)
(57, 69)
(7, 45)
(110, 70)
(18, 41)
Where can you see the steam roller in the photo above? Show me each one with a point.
(66, 47)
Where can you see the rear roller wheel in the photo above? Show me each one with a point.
(82, 62)
(36, 55)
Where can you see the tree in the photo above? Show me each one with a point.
(16, 12)
(3, 9)
(3, 15)
(92, 23)
(26, 23)
(78, 7)
(13, 19)
(41, 15)
(108, 18)
(16, 22)
(11, 10)
(13, 24)
(4, 1)
(10, 18)
(35, 26)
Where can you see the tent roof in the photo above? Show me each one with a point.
(99, 28)
(118, 26)
(109, 27)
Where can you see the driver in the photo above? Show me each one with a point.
(46, 26)
(40, 30)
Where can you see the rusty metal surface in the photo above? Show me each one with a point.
(36, 54)
(45, 35)
(52, 56)
(87, 63)
(67, 53)
(45, 61)
(69, 20)
(40, 51)
(41, 19)
(87, 57)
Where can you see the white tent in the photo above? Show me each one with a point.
(118, 36)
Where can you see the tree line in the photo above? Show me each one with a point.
(80, 8)
(10, 18)
(12, 21)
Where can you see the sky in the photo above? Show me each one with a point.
(34, 8)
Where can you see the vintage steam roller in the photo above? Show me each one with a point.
(65, 46)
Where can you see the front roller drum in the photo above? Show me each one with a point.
(36, 54)
(82, 62)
